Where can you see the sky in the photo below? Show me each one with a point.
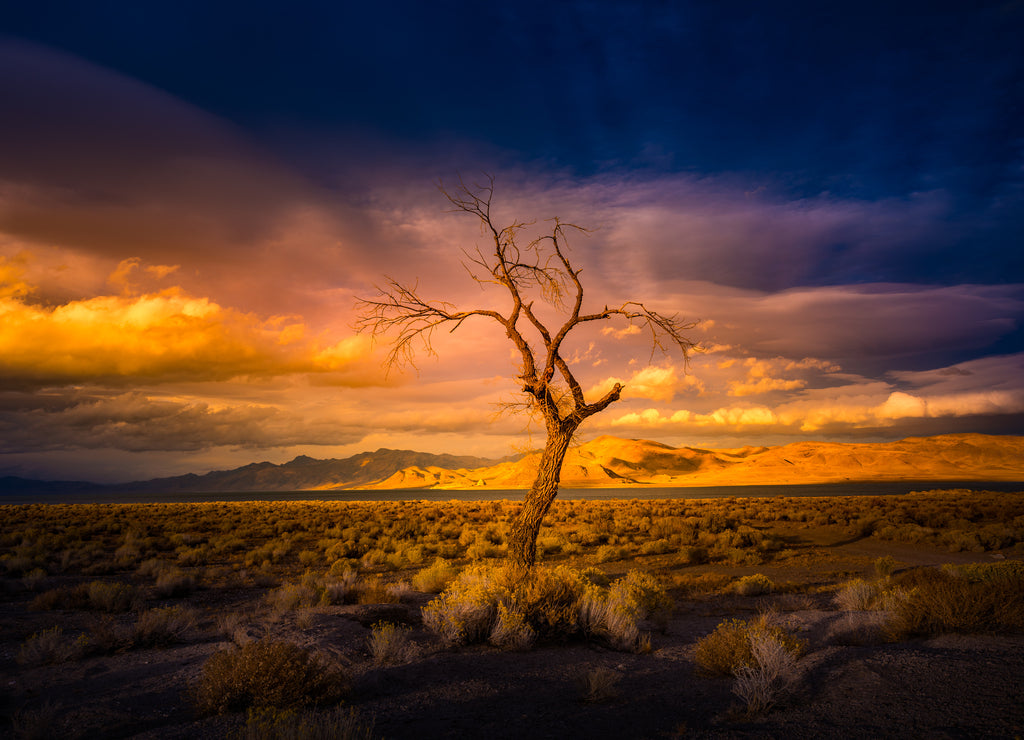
(193, 196)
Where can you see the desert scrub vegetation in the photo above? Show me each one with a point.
(511, 608)
(729, 647)
(959, 599)
(51, 646)
(266, 674)
(753, 585)
(770, 675)
(286, 538)
(389, 644)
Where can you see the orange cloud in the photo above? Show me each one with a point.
(657, 383)
(153, 337)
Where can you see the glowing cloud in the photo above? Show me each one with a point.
(161, 336)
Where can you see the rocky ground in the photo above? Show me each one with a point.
(950, 686)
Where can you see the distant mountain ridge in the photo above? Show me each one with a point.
(310, 474)
(608, 462)
(611, 462)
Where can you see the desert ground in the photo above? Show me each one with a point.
(111, 617)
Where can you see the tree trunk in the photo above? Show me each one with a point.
(522, 540)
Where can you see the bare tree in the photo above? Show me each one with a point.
(541, 269)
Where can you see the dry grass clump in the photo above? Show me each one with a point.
(331, 724)
(729, 647)
(938, 602)
(266, 673)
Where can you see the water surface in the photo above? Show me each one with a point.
(873, 488)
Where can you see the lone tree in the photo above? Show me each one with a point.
(538, 269)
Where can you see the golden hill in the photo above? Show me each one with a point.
(611, 462)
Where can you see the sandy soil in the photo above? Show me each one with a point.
(945, 687)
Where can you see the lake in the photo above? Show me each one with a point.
(873, 488)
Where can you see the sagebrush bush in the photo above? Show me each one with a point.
(51, 646)
(171, 582)
(614, 614)
(769, 676)
(753, 585)
(727, 648)
(511, 630)
(510, 607)
(389, 643)
(856, 595)
(112, 597)
(266, 673)
(164, 626)
(1005, 571)
(435, 577)
(938, 603)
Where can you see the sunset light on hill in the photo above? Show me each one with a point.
(837, 198)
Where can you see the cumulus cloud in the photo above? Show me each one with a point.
(166, 336)
(854, 407)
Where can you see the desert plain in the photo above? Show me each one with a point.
(788, 617)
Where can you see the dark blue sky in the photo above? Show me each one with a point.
(862, 100)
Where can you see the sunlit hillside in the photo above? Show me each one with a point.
(615, 463)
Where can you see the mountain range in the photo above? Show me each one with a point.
(608, 462)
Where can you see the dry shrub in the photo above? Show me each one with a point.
(164, 626)
(1006, 571)
(51, 646)
(754, 585)
(112, 597)
(856, 595)
(939, 603)
(727, 648)
(375, 591)
(389, 643)
(466, 611)
(292, 596)
(435, 578)
(511, 630)
(400, 590)
(608, 553)
(702, 583)
(64, 597)
(770, 675)
(332, 724)
(266, 673)
(510, 607)
(885, 566)
(858, 628)
(172, 582)
(614, 614)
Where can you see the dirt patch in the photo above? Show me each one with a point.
(951, 686)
